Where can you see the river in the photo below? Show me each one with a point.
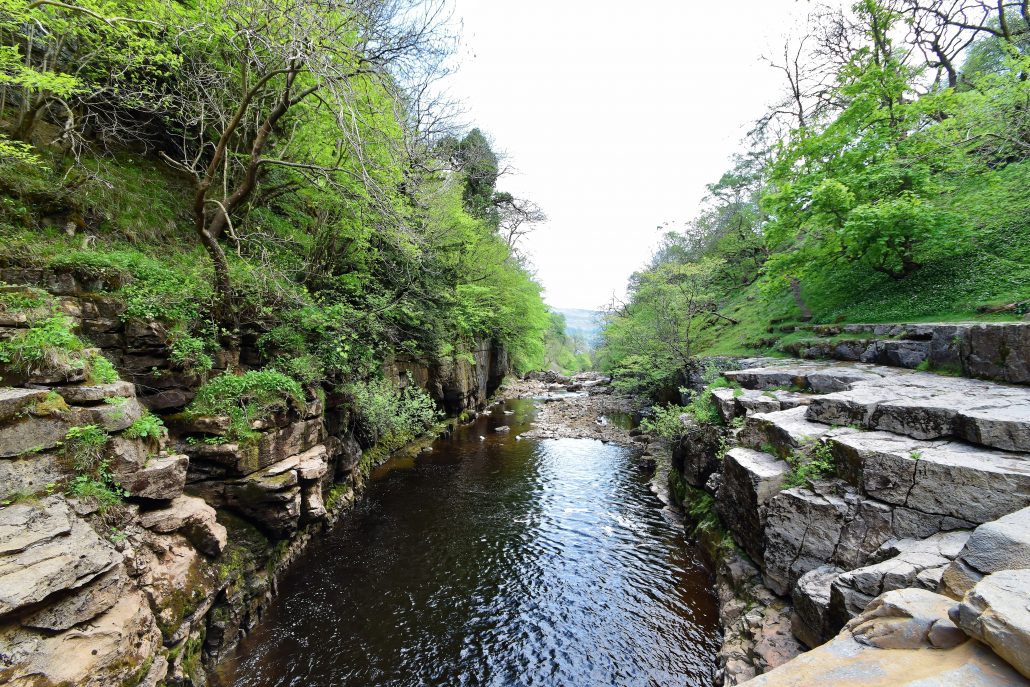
(493, 561)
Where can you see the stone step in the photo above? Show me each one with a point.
(816, 376)
(998, 351)
(734, 403)
(786, 432)
(926, 406)
(749, 479)
(940, 477)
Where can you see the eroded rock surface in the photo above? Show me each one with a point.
(905, 639)
(45, 549)
(997, 612)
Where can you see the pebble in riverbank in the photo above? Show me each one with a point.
(580, 407)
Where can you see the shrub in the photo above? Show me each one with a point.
(188, 353)
(85, 447)
(666, 422)
(389, 416)
(246, 397)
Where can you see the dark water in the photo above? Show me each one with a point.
(493, 562)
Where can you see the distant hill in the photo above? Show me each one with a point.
(586, 323)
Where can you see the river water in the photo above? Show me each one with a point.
(493, 561)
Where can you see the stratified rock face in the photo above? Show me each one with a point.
(997, 350)
(750, 479)
(45, 549)
(926, 406)
(997, 612)
(950, 478)
(829, 524)
(994, 546)
(904, 639)
(696, 456)
(80, 606)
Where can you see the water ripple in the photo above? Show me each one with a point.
(494, 563)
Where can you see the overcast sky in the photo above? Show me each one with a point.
(615, 115)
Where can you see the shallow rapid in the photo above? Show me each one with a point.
(493, 561)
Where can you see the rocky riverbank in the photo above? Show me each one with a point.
(862, 515)
(136, 552)
(584, 406)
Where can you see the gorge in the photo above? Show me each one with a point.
(287, 396)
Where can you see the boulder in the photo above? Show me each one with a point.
(45, 550)
(905, 639)
(811, 622)
(87, 395)
(997, 612)
(749, 480)
(907, 619)
(191, 516)
(30, 434)
(159, 477)
(994, 546)
(15, 402)
(32, 473)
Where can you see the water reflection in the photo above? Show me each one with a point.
(493, 561)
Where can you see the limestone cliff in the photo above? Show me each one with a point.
(152, 589)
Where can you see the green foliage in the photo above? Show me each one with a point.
(804, 468)
(894, 199)
(148, 427)
(388, 417)
(564, 352)
(188, 352)
(245, 398)
(85, 446)
(666, 422)
(52, 404)
(100, 370)
(46, 345)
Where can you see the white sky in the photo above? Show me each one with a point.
(615, 115)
